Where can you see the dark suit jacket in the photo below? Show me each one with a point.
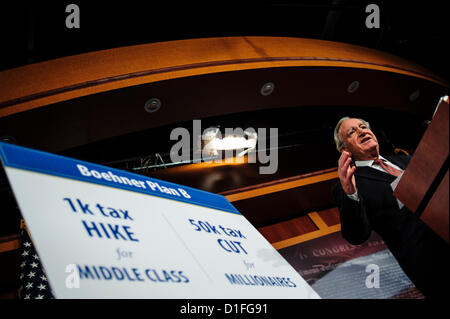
(415, 246)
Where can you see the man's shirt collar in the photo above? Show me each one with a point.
(367, 163)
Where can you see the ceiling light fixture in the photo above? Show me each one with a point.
(152, 105)
(414, 95)
(267, 89)
(353, 87)
(213, 142)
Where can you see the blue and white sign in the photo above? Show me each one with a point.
(106, 233)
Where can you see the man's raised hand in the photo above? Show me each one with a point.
(346, 173)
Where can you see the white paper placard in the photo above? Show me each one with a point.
(107, 233)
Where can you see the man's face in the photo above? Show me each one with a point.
(359, 140)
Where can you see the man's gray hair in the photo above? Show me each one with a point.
(340, 144)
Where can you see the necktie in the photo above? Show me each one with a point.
(391, 170)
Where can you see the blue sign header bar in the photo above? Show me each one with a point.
(57, 165)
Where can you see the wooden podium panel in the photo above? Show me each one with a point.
(438, 207)
(427, 161)
(423, 187)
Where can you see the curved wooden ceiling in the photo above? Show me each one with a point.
(99, 95)
(58, 80)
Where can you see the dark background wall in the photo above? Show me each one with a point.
(33, 31)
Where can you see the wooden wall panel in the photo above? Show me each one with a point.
(287, 229)
(330, 216)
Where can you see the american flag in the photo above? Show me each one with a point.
(33, 280)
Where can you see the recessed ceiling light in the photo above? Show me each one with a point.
(414, 95)
(267, 88)
(353, 87)
(152, 105)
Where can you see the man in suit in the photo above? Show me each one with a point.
(366, 202)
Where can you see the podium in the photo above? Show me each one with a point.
(424, 187)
